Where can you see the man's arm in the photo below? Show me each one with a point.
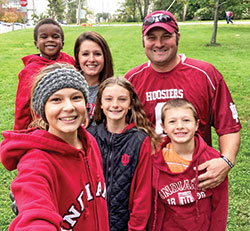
(217, 169)
(229, 145)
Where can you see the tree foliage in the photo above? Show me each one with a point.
(3, 2)
(133, 10)
(103, 17)
(136, 10)
(128, 12)
(184, 9)
(72, 6)
(56, 9)
(10, 17)
(143, 7)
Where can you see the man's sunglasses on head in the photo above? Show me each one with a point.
(158, 18)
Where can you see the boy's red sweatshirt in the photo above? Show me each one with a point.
(178, 203)
(32, 65)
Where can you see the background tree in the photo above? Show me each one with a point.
(72, 6)
(89, 14)
(103, 17)
(3, 2)
(179, 8)
(185, 10)
(56, 9)
(143, 6)
(216, 11)
(203, 9)
(35, 18)
(128, 12)
(9, 17)
(133, 8)
(240, 8)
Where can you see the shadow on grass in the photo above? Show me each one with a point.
(213, 45)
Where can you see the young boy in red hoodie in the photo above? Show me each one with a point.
(49, 39)
(178, 203)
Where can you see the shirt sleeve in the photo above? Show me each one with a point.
(141, 190)
(34, 192)
(22, 106)
(225, 116)
(158, 212)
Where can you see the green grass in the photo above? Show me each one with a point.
(231, 58)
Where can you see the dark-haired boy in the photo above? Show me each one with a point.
(49, 39)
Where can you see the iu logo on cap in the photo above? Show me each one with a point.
(125, 159)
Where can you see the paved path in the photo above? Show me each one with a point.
(180, 23)
(4, 29)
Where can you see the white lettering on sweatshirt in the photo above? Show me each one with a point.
(178, 186)
(164, 94)
(74, 213)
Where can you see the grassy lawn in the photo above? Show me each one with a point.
(231, 58)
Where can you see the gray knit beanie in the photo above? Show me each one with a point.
(54, 81)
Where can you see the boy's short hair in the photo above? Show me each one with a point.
(176, 103)
(47, 21)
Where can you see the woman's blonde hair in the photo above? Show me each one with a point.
(136, 114)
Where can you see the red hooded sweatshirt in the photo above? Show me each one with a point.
(178, 204)
(32, 65)
(58, 187)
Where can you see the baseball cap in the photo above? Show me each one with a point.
(161, 18)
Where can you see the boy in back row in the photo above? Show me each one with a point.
(49, 39)
(178, 203)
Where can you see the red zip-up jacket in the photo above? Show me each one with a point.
(178, 203)
(57, 186)
(32, 65)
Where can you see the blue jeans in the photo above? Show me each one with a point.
(228, 18)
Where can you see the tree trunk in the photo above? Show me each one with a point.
(184, 12)
(146, 5)
(213, 39)
(140, 9)
(79, 12)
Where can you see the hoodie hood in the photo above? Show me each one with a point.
(159, 162)
(34, 58)
(37, 59)
(17, 143)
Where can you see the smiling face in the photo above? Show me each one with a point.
(180, 125)
(65, 111)
(49, 41)
(161, 48)
(91, 60)
(115, 103)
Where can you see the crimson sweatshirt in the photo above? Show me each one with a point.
(178, 203)
(57, 186)
(32, 66)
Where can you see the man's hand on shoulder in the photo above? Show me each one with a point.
(216, 172)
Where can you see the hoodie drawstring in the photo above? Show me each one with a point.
(85, 201)
(196, 191)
